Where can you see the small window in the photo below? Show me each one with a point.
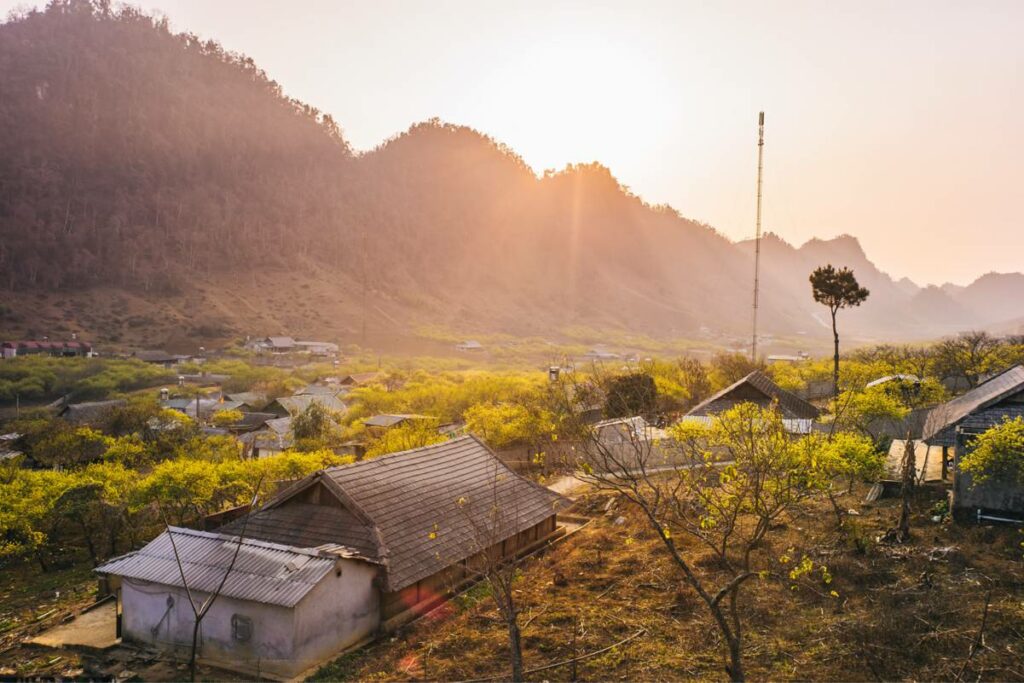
(241, 628)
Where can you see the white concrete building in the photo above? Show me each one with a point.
(281, 611)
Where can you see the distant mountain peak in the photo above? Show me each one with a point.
(843, 245)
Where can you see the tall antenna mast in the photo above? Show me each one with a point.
(757, 238)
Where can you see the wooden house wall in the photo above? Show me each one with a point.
(437, 585)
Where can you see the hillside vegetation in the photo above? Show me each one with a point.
(164, 170)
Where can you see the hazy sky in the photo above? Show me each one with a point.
(899, 122)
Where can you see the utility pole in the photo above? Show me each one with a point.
(757, 238)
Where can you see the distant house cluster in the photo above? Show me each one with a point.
(29, 347)
(282, 344)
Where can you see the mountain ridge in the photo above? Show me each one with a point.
(162, 166)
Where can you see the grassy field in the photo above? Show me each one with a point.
(903, 612)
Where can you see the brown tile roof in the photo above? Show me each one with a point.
(790, 405)
(410, 502)
(90, 412)
(393, 420)
(360, 378)
(294, 405)
(304, 525)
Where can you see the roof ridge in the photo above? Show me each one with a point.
(969, 401)
(246, 540)
(726, 390)
(390, 456)
(508, 469)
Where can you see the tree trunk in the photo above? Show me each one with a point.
(840, 521)
(906, 488)
(735, 640)
(835, 358)
(515, 648)
(90, 545)
(735, 668)
(41, 559)
(195, 647)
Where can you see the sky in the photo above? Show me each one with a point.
(896, 122)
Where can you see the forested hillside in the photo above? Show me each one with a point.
(179, 175)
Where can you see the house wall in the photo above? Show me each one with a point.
(1000, 495)
(148, 619)
(993, 496)
(339, 612)
(980, 420)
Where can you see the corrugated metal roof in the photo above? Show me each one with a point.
(280, 426)
(281, 342)
(264, 572)
(994, 390)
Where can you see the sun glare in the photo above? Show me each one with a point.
(577, 98)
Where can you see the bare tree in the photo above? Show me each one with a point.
(967, 356)
(493, 522)
(201, 609)
(890, 407)
(725, 486)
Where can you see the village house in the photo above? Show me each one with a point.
(203, 379)
(317, 348)
(383, 422)
(200, 408)
(275, 436)
(317, 389)
(758, 388)
(600, 353)
(249, 401)
(292, 406)
(279, 344)
(159, 357)
(358, 379)
(9, 446)
(625, 430)
(283, 344)
(28, 347)
(790, 359)
(89, 412)
(337, 557)
(469, 345)
(250, 422)
(951, 427)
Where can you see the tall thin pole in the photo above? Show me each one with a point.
(757, 239)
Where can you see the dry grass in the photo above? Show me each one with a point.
(903, 612)
(30, 602)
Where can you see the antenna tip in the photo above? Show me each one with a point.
(760, 118)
